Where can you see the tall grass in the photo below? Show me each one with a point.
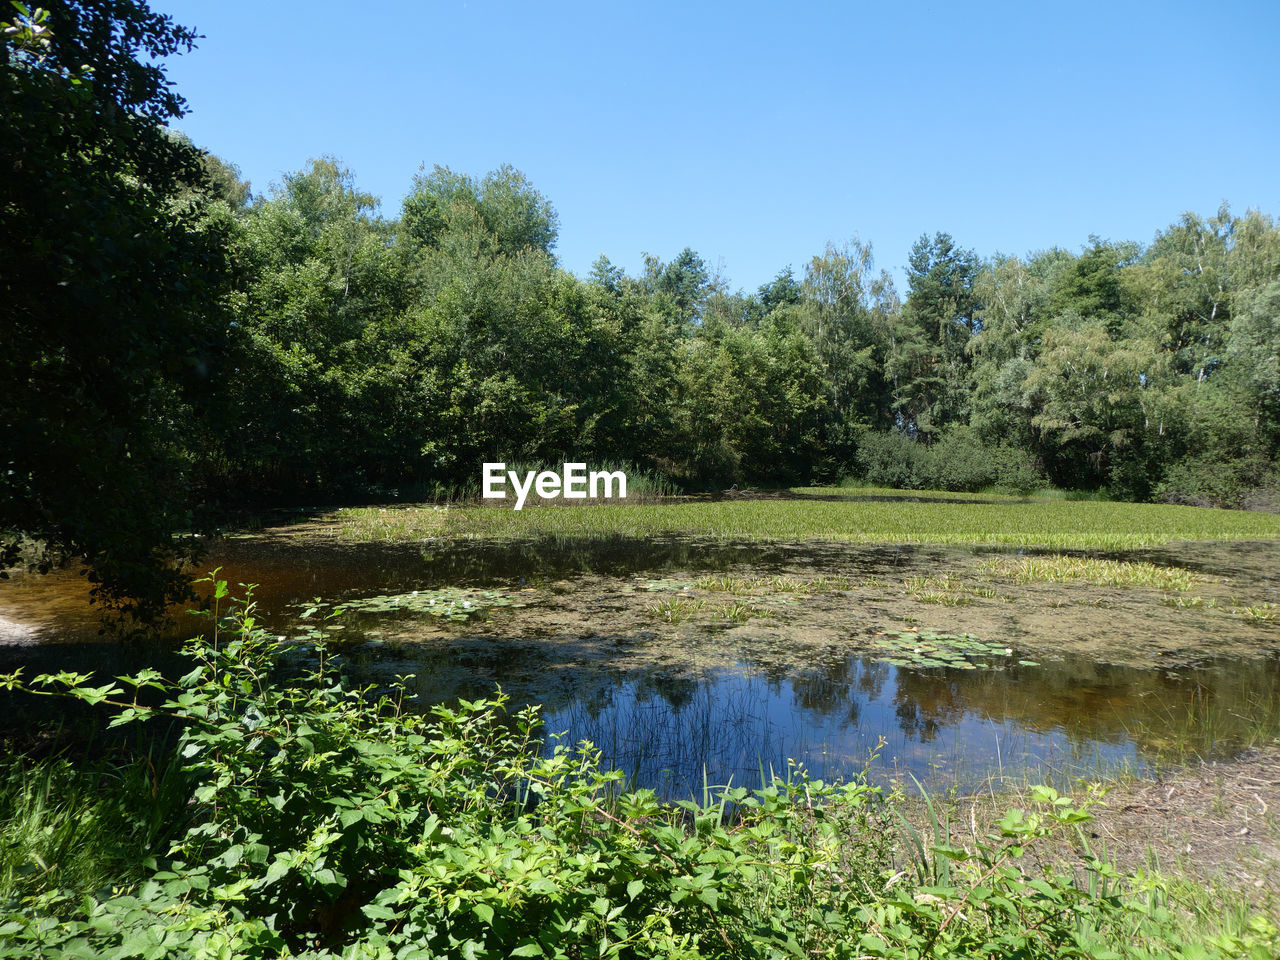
(1168, 915)
(84, 827)
(1091, 570)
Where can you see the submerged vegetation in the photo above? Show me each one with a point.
(322, 822)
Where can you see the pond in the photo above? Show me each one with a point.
(688, 662)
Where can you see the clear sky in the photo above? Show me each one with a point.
(755, 133)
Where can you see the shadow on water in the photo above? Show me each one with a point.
(670, 703)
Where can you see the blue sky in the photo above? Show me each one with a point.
(756, 133)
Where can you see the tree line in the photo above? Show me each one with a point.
(173, 343)
(379, 352)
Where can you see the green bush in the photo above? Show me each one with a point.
(893, 459)
(325, 823)
(1249, 482)
(959, 461)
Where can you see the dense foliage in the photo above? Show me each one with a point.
(401, 352)
(172, 343)
(306, 819)
(113, 266)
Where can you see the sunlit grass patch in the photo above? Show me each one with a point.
(676, 610)
(365, 524)
(1261, 613)
(946, 591)
(1041, 523)
(1091, 570)
(1190, 603)
(754, 586)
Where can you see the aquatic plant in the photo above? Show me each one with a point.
(962, 651)
(1260, 613)
(741, 612)
(445, 603)
(1190, 602)
(676, 610)
(1063, 568)
(940, 590)
(662, 586)
(1052, 524)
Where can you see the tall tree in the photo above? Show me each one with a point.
(511, 214)
(112, 265)
(685, 282)
(930, 364)
(849, 312)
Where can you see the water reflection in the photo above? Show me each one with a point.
(943, 726)
(671, 704)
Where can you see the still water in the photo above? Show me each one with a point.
(687, 662)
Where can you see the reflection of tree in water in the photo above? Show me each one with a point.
(840, 686)
(1211, 710)
(665, 730)
(872, 676)
(924, 702)
(678, 692)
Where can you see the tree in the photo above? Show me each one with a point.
(322, 282)
(929, 365)
(512, 215)
(782, 291)
(681, 287)
(847, 311)
(112, 271)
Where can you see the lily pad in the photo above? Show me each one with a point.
(447, 603)
(957, 651)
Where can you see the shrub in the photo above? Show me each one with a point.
(1249, 482)
(959, 461)
(893, 459)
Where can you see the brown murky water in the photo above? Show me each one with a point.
(679, 657)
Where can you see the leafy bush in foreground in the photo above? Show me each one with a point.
(325, 823)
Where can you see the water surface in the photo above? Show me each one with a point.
(625, 645)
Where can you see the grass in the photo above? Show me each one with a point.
(751, 586)
(1262, 613)
(1207, 902)
(860, 490)
(1101, 573)
(69, 827)
(1053, 524)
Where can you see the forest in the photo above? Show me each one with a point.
(176, 344)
